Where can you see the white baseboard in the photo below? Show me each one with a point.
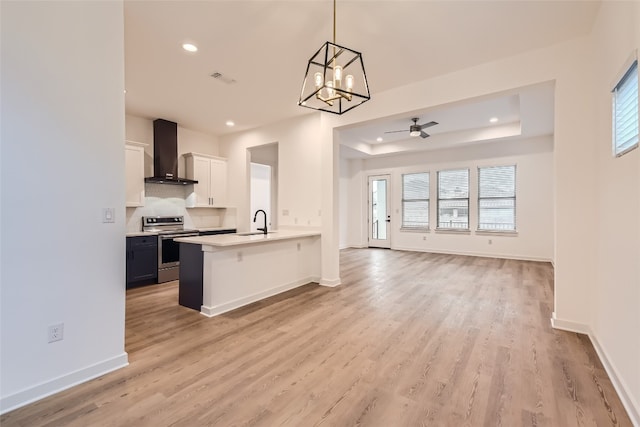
(632, 407)
(331, 283)
(569, 326)
(355, 246)
(241, 302)
(56, 385)
(476, 254)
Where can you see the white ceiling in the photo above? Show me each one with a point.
(265, 45)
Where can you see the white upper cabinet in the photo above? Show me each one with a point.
(134, 173)
(211, 174)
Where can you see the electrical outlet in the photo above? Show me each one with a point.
(56, 332)
(285, 212)
(424, 237)
(490, 241)
(239, 256)
(298, 246)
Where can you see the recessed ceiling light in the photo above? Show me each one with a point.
(379, 139)
(230, 123)
(493, 119)
(190, 47)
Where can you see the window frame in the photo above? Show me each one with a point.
(468, 199)
(630, 69)
(515, 205)
(403, 227)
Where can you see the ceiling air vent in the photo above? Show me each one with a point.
(221, 77)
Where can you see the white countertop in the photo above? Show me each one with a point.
(223, 240)
(142, 233)
(155, 233)
(216, 228)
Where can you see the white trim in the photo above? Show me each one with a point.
(135, 143)
(63, 382)
(414, 230)
(505, 233)
(357, 246)
(330, 283)
(477, 254)
(633, 57)
(632, 408)
(568, 325)
(241, 302)
(206, 156)
(461, 231)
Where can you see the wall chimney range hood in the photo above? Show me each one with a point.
(165, 154)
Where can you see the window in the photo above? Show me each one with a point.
(497, 198)
(415, 200)
(625, 112)
(453, 199)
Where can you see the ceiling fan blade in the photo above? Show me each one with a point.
(394, 131)
(423, 134)
(428, 125)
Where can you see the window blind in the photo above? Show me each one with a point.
(453, 199)
(497, 198)
(415, 200)
(625, 113)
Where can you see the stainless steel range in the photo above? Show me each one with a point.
(168, 228)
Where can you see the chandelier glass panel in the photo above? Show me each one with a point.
(335, 81)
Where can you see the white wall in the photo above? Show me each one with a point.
(189, 141)
(169, 199)
(534, 199)
(299, 171)
(343, 202)
(574, 147)
(616, 301)
(62, 162)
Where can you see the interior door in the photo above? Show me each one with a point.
(379, 208)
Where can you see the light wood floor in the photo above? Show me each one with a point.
(409, 339)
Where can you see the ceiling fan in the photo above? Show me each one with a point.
(415, 129)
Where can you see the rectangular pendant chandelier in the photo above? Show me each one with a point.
(335, 80)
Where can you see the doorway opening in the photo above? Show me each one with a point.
(263, 184)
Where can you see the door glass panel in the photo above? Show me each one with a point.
(379, 209)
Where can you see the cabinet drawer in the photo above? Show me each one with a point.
(143, 241)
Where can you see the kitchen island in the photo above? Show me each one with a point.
(225, 272)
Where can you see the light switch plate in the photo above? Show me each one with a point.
(108, 215)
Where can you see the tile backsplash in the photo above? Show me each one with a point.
(167, 200)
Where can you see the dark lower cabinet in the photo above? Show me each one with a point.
(191, 271)
(142, 260)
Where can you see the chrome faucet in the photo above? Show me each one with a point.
(264, 230)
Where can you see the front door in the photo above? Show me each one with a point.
(379, 218)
